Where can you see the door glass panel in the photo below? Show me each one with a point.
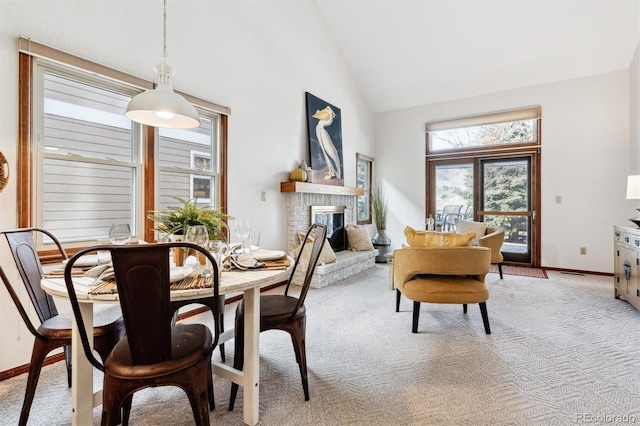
(454, 194)
(506, 203)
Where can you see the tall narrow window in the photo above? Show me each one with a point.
(189, 166)
(88, 161)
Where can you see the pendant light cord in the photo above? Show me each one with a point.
(164, 46)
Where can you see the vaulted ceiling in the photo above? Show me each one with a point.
(405, 53)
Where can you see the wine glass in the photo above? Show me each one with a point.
(120, 234)
(243, 230)
(198, 235)
(220, 249)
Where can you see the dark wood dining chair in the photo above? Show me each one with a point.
(285, 312)
(154, 352)
(209, 302)
(54, 330)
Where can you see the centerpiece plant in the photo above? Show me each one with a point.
(176, 220)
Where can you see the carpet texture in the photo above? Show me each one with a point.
(563, 351)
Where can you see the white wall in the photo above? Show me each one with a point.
(585, 159)
(257, 57)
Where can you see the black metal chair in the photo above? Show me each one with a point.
(285, 312)
(154, 352)
(55, 329)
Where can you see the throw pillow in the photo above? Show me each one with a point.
(326, 255)
(464, 226)
(417, 238)
(359, 239)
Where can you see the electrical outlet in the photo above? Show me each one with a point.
(583, 250)
(263, 196)
(558, 199)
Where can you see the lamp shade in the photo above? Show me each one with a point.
(162, 107)
(633, 187)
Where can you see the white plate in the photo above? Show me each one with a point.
(179, 272)
(88, 260)
(263, 255)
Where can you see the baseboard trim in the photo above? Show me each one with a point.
(577, 271)
(22, 369)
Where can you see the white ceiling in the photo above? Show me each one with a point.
(405, 53)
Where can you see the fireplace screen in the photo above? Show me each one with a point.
(333, 218)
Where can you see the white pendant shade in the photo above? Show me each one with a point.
(162, 107)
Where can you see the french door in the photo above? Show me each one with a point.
(500, 190)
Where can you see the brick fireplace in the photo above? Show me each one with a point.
(300, 198)
(303, 195)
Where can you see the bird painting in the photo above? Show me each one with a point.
(325, 118)
(325, 141)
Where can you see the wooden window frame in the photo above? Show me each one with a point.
(28, 51)
(368, 162)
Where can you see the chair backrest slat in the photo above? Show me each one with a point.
(318, 233)
(142, 277)
(25, 255)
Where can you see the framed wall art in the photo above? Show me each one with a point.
(324, 125)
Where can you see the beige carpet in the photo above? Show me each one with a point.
(563, 350)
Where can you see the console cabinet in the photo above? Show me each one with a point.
(626, 251)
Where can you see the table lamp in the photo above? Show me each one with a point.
(633, 193)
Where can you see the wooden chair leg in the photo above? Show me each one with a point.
(464, 308)
(485, 317)
(397, 300)
(416, 314)
(297, 333)
(38, 354)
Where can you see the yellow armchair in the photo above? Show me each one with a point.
(494, 238)
(443, 275)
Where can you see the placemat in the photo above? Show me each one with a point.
(193, 281)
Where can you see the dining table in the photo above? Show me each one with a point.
(247, 282)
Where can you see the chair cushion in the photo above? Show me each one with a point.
(417, 238)
(359, 238)
(445, 289)
(465, 226)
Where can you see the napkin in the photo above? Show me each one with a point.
(240, 261)
(101, 273)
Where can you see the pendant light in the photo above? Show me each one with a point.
(162, 107)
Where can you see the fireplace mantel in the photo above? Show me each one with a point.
(316, 188)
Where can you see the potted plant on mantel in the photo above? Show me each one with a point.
(380, 209)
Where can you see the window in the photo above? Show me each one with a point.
(84, 166)
(364, 176)
(490, 130)
(87, 161)
(487, 168)
(188, 166)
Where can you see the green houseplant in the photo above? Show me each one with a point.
(380, 209)
(176, 220)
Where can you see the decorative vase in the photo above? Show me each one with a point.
(383, 243)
